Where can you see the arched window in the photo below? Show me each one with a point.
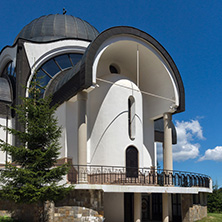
(54, 66)
(131, 118)
(114, 69)
(10, 74)
(131, 162)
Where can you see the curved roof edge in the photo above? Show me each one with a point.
(82, 77)
(7, 46)
(119, 30)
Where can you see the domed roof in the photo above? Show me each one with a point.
(56, 27)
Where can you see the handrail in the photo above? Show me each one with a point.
(96, 174)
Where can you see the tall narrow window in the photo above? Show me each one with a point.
(131, 162)
(131, 117)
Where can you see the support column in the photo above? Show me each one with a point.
(167, 144)
(167, 165)
(137, 207)
(165, 207)
(82, 135)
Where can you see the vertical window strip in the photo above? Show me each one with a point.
(131, 118)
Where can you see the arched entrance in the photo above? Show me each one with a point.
(131, 162)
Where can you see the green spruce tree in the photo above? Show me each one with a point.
(32, 177)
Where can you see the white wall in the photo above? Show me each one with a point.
(67, 115)
(107, 105)
(142, 64)
(61, 116)
(155, 75)
(114, 207)
(72, 130)
(148, 134)
(3, 137)
(108, 134)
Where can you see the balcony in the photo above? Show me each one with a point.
(113, 175)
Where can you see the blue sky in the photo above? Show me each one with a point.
(189, 30)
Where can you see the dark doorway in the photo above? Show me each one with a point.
(128, 207)
(176, 207)
(157, 206)
(131, 162)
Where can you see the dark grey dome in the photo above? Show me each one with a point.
(56, 27)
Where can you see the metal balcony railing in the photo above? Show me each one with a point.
(135, 176)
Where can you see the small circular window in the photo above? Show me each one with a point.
(114, 69)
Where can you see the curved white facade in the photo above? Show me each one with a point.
(108, 121)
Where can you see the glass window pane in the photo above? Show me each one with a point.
(13, 70)
(63, 61)
(9, 68)
(42, 78)
(51, 67)
(75, 58)
(42, 90)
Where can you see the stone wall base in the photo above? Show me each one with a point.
(192, 212)
(79, 205)
(88, 205)
(76, 214)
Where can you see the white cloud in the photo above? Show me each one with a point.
(187, 147)
(212, 154)
(187, 133)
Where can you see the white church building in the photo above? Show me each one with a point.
(117, 93)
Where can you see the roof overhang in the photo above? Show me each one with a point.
(156, 65)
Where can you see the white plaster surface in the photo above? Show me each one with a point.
(108, 122)
(3, 137)
(155, 75)
(114, 207)
(144, 189)
(61, 116)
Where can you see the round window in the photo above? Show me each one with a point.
(114, 69)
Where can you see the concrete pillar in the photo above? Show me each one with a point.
(167, 165)
(165, 207)
(137, 207)
(82, 135)
(167, 144)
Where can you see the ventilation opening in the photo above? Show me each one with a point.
(114, 69)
